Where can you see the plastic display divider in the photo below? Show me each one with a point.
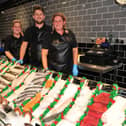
(113, 93)
(20, 108)
(18, 86)
(61, 116)
(38, 104)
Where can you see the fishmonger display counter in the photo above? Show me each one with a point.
(29, 97)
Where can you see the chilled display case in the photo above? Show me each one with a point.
(33, 97)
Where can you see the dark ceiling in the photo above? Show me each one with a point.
(2, 1)
(5, 4)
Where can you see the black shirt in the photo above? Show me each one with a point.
(37, 38)
(60, 51)
(12, 44)
(55, 36)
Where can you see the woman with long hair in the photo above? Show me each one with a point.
(62, 52)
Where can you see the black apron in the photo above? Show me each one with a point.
(36, 48)
(60, 55)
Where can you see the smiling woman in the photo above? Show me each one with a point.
(13, 41)
(62, 51)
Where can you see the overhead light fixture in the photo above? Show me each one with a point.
(64, 2)
(2, 12)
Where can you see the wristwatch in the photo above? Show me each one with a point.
(121, 2)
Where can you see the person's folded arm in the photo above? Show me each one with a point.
(44, 58)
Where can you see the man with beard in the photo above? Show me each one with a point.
(35, 36)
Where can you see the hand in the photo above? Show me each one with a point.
(75, 70)
(20, 61)
(46, 68)
(13, 59)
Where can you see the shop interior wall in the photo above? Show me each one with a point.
(88, 19)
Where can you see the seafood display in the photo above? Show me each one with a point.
(31, 97)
